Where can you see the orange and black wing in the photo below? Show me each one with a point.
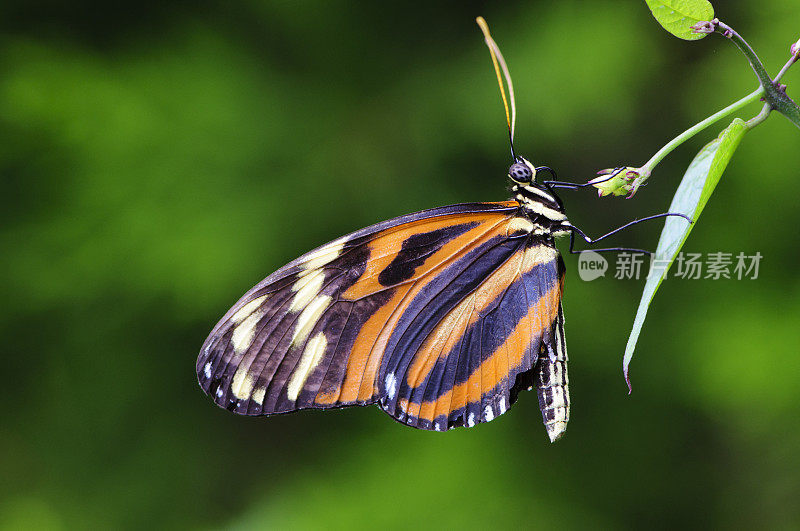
(439, 317)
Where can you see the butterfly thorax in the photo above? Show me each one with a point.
(537, 202)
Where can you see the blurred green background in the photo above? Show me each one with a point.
(160, 158)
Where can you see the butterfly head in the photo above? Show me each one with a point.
(522, 172)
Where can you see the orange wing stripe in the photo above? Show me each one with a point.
(368, 348)
(444, 338)
(447, 334)
(512, 351)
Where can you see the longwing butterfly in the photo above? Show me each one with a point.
(440, 317)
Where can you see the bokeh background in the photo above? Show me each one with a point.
(159, 158)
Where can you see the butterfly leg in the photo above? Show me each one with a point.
(592, 241)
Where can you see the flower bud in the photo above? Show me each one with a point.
(705, 26)
(616, 181)
(794, 49)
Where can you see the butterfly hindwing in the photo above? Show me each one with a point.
(466, 370)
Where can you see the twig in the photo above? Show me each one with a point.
(774, 93)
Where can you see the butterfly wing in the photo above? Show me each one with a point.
(466, 362)
(374, 317)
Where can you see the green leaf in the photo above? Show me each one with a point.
(696, 187)
(678, 16)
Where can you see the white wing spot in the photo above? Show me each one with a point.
(308, 318)
(391, 385)
(502, 406)
(243, 382)
(258, 395)
(245, 332)
(307, 287)
(471, 420)
(245, 311)
(312, 355)
(324, 255)
(207, 370)
(219, 392)
(488, 414)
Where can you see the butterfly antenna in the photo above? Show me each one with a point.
(500, 63)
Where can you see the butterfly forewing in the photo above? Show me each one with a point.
(433, 315)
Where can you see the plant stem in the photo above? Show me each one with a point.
(689, 133)
(647, 169)
(774, 94)
(748, 52)
(760, 117)
(789, 63)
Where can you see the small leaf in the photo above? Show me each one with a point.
(678, 16)
(696, 187)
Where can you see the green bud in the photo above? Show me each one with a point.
(615, 181)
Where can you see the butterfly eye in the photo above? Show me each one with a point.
(520, 173)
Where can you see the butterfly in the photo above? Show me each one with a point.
(441, 317)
